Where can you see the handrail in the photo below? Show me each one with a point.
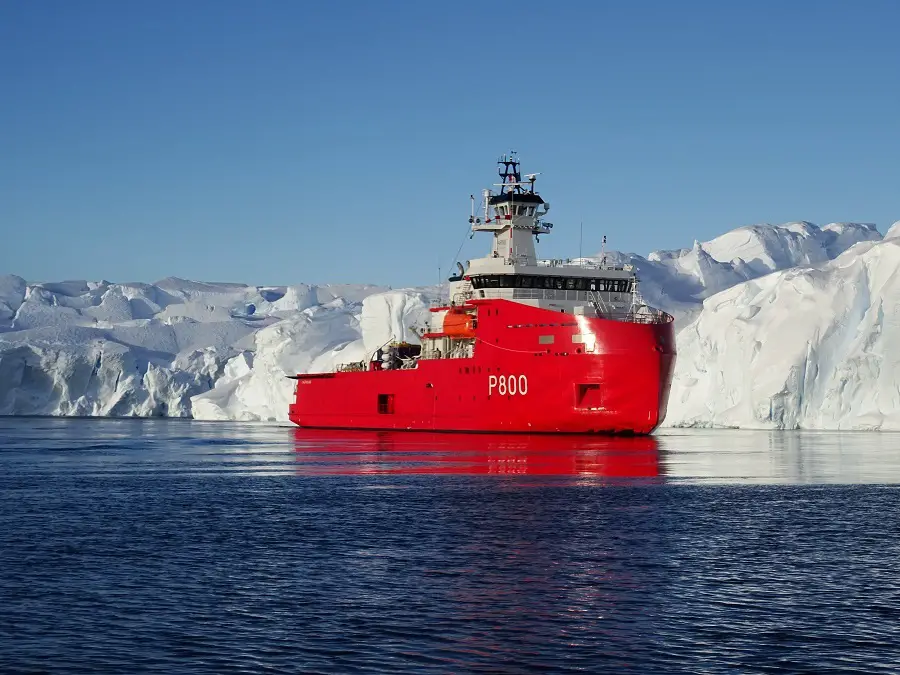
(583, 263)
(458, 300)
(648, 315)
(544, 294)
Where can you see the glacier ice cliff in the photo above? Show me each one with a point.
(678, 281)
(813, 346)
(777, 326)
(96, 348)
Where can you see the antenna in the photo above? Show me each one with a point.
(580, 240)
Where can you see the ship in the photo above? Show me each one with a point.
(519, 345)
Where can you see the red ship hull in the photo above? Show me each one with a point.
(533, 371)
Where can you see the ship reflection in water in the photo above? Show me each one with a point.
(331, 452)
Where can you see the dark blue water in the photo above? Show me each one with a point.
(167, 546)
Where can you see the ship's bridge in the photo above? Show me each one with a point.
(509, 205)
(515, 216)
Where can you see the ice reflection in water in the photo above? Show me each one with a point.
(798, 457)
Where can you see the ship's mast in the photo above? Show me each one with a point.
(509, 172)
(516, 221)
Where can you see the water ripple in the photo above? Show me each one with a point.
(133, 546)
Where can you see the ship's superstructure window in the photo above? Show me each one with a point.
(503, 210)
(552, 282)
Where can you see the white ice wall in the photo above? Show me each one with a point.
(810, 347)
(96, 348)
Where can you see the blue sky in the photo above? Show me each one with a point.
(286, 142)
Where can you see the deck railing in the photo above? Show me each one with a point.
(601, 303)
(583, 263)
(645, 315)
(542, 294)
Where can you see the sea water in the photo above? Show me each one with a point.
(131, 546)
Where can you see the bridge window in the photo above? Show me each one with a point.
(552, 283)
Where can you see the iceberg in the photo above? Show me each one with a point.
(680, 280)
(812, 346)
(97, 348)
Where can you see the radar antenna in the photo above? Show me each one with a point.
(511, 179)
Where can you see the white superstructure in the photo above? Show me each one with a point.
(516, 218)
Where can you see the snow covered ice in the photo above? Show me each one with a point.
(678, 281)
(96, 348)
(813, 346)
(777, 326)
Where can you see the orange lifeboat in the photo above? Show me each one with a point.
(459, 325)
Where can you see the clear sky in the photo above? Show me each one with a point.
(286, 142)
